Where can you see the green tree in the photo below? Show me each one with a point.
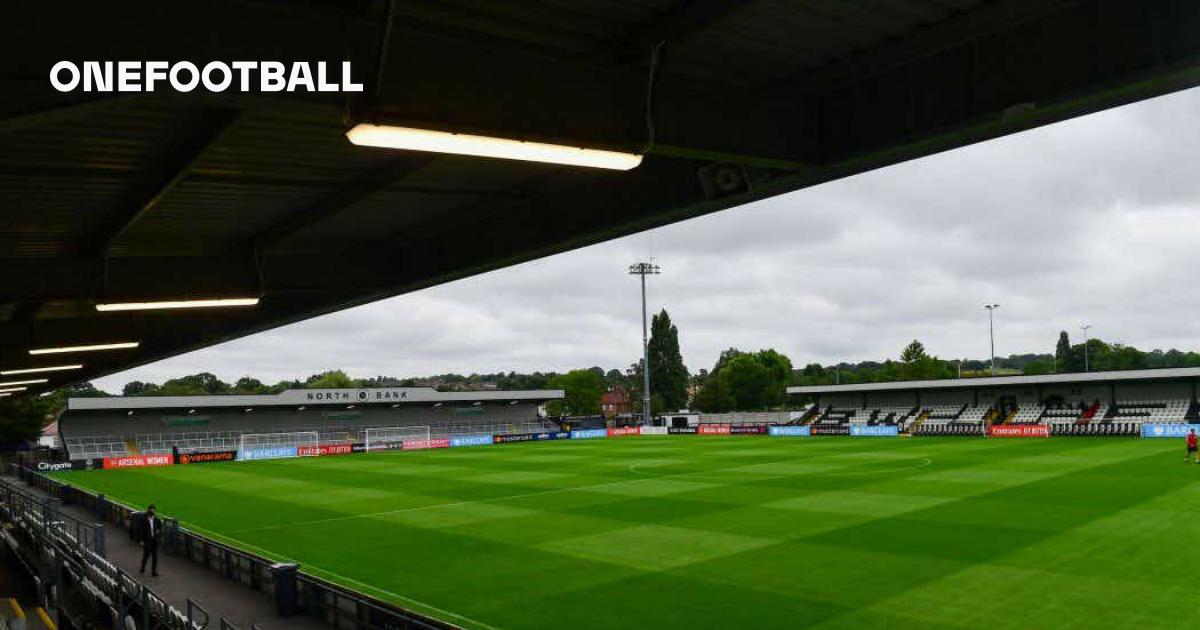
(742, 381)
(582, 390)
(249, 385)
(283, 386)
(1064, 355)
(780, 369)
(138, 388)
(616, 378)
(668, 375)
(913, 352)
(748, 381)
(200, 384)
(333, 379)
(22, 420)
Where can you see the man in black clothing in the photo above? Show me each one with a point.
(149, 533)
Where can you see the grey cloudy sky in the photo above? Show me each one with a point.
(1096, 219)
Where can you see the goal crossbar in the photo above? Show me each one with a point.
(393, 438)
(278, 445)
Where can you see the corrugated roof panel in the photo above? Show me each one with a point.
(772, 39)
(212, 218)
(270, 144)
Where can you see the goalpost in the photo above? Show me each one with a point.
(277, 445)
(392, 438)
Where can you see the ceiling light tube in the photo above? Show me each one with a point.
(121, 345)
(51, 368)
(176, 304)
(32, 381)
(13, 390)
(389, 137)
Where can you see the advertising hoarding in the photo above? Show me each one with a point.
(1168, 430)
(137, 461)
(1019, 430)
(878, 430)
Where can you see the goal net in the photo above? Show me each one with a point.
(393, 438)
(277, 445)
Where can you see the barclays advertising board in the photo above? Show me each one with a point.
(789, 431)
(1168, 430)
(268, 452)
(587, 434)
(483, 439)
(881, 430)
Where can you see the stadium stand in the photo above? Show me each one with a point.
(753, 417)
(1156, 410)
(1098, 403)
(1025, 413)
(122, 426)
(836, 416)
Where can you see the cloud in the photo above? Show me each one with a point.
(1096, 219)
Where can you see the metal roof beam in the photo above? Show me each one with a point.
(677, 23)
(396, 170)
(956, 31)
(173, 168)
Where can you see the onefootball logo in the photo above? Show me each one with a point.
(214, 76)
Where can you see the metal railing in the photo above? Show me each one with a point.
(107, 445)
(340, 607)
(67, 556)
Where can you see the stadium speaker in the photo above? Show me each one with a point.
(724, 180)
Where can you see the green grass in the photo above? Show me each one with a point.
(737, 532)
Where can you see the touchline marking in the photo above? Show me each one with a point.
(315, 570)
(438, 506)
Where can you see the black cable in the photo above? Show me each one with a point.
(377, 96)
(650, 81)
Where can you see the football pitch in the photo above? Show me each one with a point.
(733, 532)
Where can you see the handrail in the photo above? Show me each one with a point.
(337, 605)
(32, 516)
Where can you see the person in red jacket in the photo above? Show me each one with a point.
(1192, 453)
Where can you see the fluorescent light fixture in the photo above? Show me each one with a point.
(176, 304)
(123, 345)
(389, 137)
(32, 381)
(5, 395)
(51, 368)
(13, 390)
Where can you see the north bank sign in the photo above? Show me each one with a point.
(354, 396)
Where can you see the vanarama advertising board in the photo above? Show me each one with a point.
(207, 457)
